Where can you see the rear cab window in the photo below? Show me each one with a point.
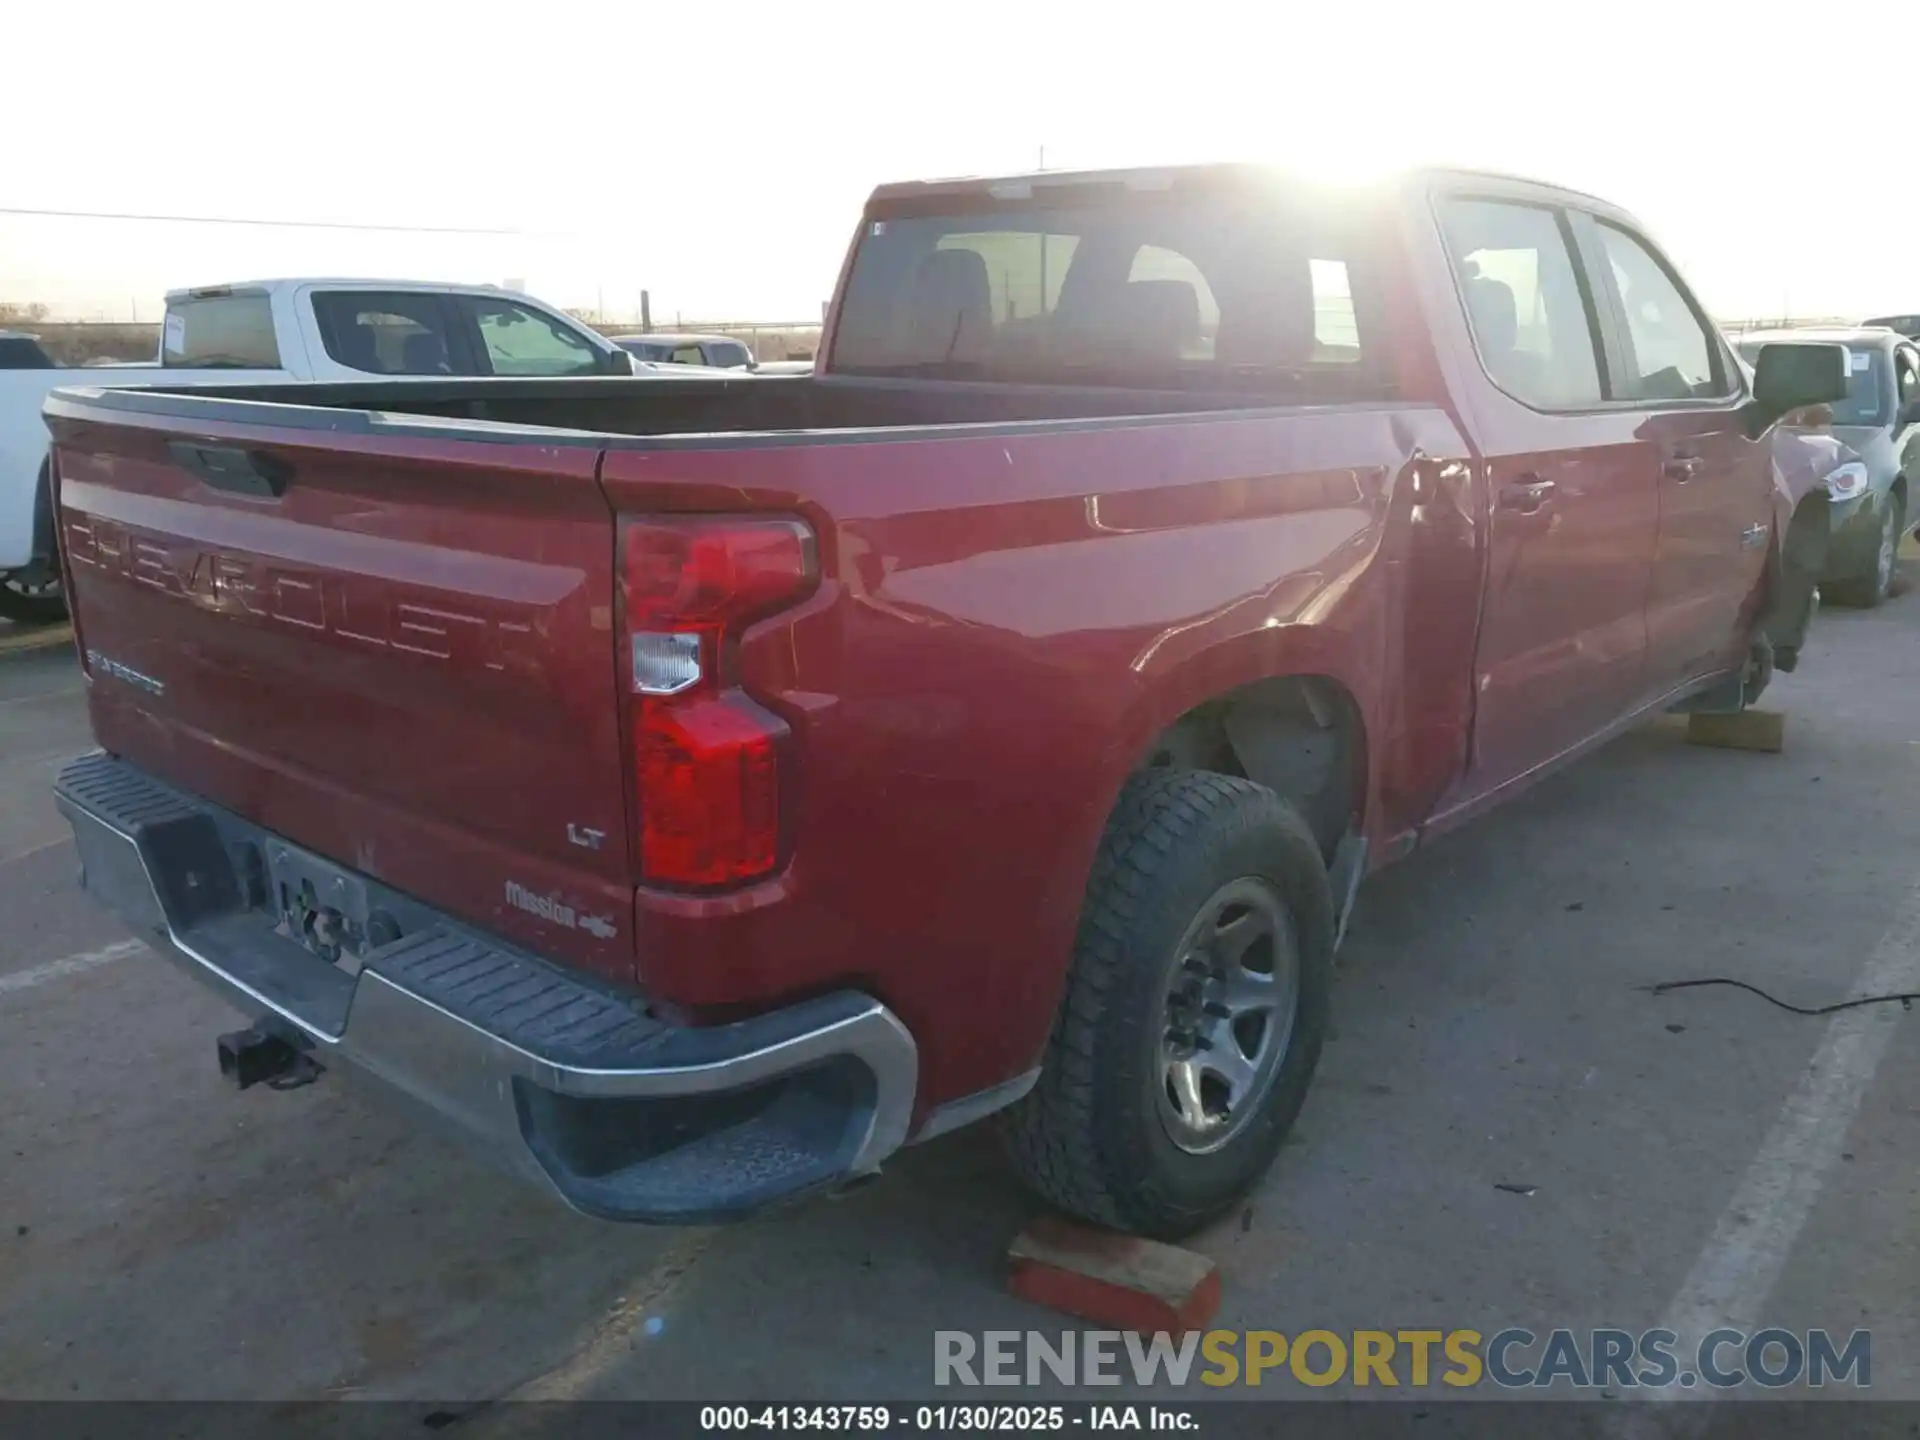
(220, 331)
(1254, 287)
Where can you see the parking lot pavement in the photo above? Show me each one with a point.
(1687, 1156)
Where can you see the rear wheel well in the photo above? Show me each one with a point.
(1299, 735)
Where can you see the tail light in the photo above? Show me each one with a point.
(707, 759)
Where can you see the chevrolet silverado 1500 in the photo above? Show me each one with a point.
(696, 793)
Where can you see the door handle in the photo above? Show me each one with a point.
(1682, 468)
(228, 467)
(1527, 495)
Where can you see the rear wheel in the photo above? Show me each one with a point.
(32, 596)
(1869, 588)
(1194, 1012)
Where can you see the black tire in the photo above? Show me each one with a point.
(1869, 588)
(27, 601)
(1089, 1137)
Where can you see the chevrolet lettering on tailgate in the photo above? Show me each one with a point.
(358, 608)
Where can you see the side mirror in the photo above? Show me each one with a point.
(620, 362)
(1793, 375)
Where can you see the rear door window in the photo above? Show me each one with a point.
(220, 332)
(388, 332)
(727, 353)
(519, 340)
(690, 354)
(1514, 266)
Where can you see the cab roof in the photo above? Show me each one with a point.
(331, 282)
(1018, 185)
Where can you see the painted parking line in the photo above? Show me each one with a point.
(70, 965)
(39, 847)
(641, 1311)
(1736, 1273)
(43, 697)
(20, 642)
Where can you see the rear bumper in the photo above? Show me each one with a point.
(579, 1089)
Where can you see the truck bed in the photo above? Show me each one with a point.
(646, 407)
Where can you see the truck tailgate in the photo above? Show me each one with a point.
(394, 651)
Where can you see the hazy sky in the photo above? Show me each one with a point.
(717, 151)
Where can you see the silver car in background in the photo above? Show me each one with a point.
(1879, 421)
(720, 352)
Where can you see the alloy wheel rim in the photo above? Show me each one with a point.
(1889, 544)
(1231, 998)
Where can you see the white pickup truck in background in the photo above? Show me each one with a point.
(280, 331)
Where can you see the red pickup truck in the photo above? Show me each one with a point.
(696, 792)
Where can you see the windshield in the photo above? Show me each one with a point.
(1868, 400)
(1152, 289)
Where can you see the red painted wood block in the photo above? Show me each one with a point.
(1118, 1281)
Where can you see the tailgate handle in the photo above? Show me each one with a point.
(228, 467)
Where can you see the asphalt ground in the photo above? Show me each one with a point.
(1687, 1159)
